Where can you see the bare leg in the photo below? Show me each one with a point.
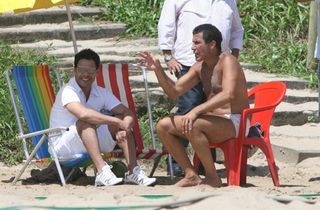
(168, 135)
(218, 129)
(88, 135)
(129, 151)
(200, 145)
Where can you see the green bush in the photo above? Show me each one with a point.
(276, 37)
(10, 147)
(157, 113)
(275, 31)
(141, 16)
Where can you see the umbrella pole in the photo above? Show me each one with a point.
(73, 35)
(318, 72)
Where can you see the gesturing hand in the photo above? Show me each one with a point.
(174, 66)
(187, 122)
(147, 60)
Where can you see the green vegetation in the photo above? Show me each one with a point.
(276, 37)
(275, 31)
(141, 16)
(157, 113)
(10, 146)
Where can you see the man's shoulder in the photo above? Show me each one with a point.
(227, 57)
(197, 66)
(226, 60)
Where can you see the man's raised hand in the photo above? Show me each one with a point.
(147, 60)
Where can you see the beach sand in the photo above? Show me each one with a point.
(297, 181)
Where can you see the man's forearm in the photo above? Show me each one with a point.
(166, 83)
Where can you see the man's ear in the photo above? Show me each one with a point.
(213, 44)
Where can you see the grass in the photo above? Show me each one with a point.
(275, 31)
(10, 146)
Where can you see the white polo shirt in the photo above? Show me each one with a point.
(99, 99)
(179, 18)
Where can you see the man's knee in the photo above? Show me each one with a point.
(82, 125)
(164, 125)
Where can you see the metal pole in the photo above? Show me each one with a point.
(318, 72)
(15, 108)
(73, 35)
(149, 106)
(312, 35)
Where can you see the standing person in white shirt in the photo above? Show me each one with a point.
(177, 21)
(78, 106)
(317, 48)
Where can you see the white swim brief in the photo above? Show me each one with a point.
(235, 118)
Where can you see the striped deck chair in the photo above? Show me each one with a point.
(36, 95)
(115, 77)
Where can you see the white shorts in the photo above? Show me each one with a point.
(235, 118)
(70, 142)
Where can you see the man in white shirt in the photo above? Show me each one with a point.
(317, 48)
(178, 19)
(78, 106)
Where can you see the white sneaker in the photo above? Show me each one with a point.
(139, 177)
(107, 177)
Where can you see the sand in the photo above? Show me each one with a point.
(258, 193)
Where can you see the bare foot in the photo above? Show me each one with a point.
(189, 181)
(212, 182)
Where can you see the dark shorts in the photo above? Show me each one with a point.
(190, 99)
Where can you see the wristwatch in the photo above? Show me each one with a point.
(168, 58)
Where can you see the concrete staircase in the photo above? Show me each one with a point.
(295, 119)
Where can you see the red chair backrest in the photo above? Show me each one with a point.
(266, 94)
(115, 77)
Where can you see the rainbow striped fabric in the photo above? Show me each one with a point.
(36, 95)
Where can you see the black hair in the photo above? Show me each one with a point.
(87, 54)
(210, 33)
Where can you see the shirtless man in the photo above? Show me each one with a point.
(213, 121)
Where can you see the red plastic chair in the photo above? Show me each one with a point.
(266, 97)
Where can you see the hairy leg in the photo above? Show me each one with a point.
(88, 135)
(129, 151)
(169, 135)
(210, 129)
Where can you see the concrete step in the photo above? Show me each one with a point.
(299, 107)
(295, 114)
(128, 48)
(51, 15)
(254, 77)
(30, 33)
(295, 96)
(292, 144)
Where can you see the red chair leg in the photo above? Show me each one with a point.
(272, 167)
(267, 150)
(243, 168)
(196, 162)
(231, 152)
